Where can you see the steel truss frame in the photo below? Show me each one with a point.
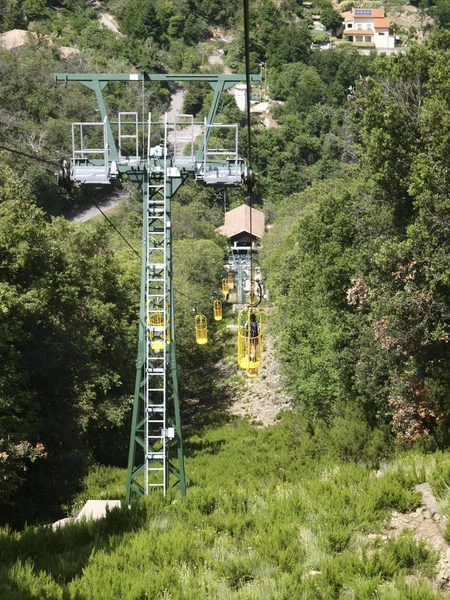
(156, 420)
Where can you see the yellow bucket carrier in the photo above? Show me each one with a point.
(217, 310)
(155, 323)
(249, 341)
(201, 329)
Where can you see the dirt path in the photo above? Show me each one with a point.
(110, 23)
(215, 58)
(264, 396)
(111, 201)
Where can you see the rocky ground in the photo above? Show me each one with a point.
(407, 17)
(429, 525)
(262, 398)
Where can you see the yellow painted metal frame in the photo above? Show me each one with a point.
(217, 310)
(155, 321)
(249, 348)
(201, 329)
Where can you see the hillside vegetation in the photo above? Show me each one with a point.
(270, 513)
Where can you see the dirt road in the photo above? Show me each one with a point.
(110, 23)
(215, 58)
(111, 201)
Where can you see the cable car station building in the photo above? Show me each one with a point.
(243, 228)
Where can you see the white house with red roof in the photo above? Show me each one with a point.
(368, 25)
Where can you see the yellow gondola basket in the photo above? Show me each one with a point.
(225, 286)
(201, 329)
(231, 281)
(249, 344)
(217, 310)
(155, 322)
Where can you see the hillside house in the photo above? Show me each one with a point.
(369, 25)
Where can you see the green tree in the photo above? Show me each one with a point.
(67, 345)
(330, 18)
(441, 12)
(288, 44)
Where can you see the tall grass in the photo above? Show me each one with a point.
(265, 518)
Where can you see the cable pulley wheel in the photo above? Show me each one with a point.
(250, 179)
(64, 176)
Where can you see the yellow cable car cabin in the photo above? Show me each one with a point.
(225, 286)
(217, 310)
(250, 340)
(155, 322)
(231, 282)
(201, 329)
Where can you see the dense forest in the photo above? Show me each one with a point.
(356, 261)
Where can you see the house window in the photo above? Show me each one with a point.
(380, 33)
(349, 25)
(359, 26)
(368, 26)
(367, 38)
(358, 38)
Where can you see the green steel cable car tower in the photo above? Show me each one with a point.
(156, 452)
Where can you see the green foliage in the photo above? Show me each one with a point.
(330, 18)
(288, 44)
(198, 271)
(441, 12)
(68, 335)
(259, 532)
(356, 263)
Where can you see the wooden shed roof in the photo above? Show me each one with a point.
(238, 221)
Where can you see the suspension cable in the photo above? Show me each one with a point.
(36, 158)
(111, 223)
(249, 135)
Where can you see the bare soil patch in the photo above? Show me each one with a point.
(407, 16)
(429, 526)
(263, 397)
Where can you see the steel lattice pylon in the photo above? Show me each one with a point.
(156, 422)
(156, 452)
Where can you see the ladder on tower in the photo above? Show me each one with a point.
(128, 138)
(157, 434)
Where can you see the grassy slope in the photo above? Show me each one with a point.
(261, 515)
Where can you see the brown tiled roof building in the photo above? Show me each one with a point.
(237, 223)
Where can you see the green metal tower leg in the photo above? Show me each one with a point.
(137, 445)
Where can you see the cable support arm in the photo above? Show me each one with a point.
(229, 79)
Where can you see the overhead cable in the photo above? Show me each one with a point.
(249, 136)
(37, 158)
(112, 225)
